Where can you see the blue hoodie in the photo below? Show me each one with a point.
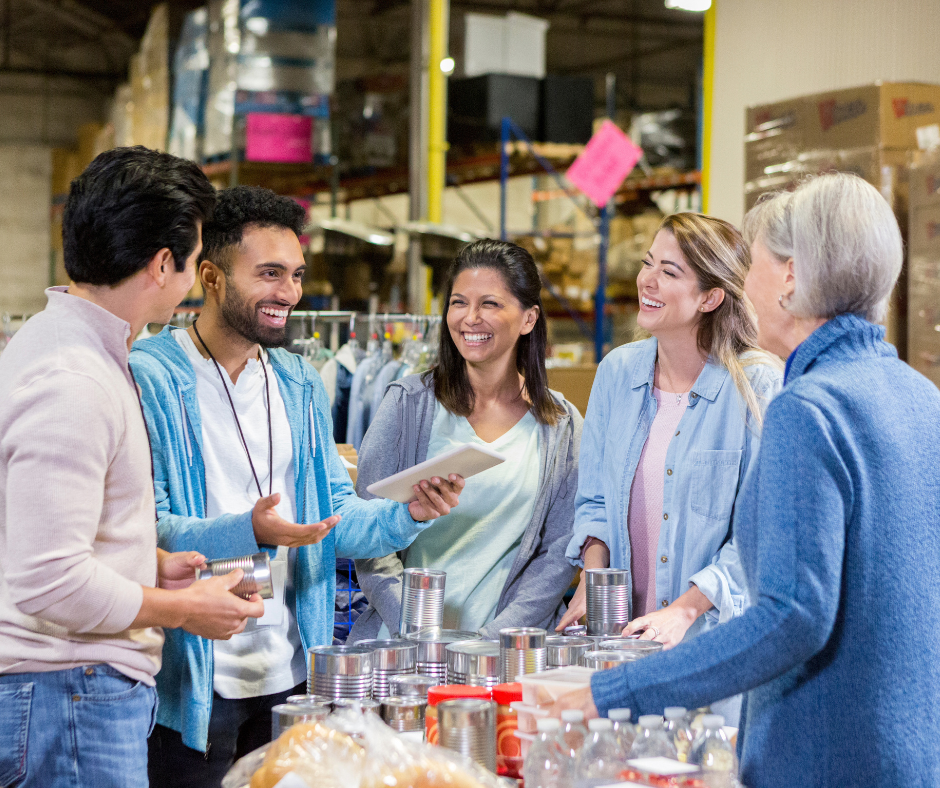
(368, 528)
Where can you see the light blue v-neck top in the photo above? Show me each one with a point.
(477, 542)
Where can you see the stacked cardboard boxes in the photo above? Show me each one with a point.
(273, 57)
(923, 315)
(150, 82)
(870, 131)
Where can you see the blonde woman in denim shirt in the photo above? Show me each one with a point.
(672, 426)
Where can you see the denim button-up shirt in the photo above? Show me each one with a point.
(707, 460)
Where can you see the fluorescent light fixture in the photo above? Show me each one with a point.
(447, 65)
(689, 5)
(257, 25)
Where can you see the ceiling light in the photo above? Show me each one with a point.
(689, 5)
(447, 65)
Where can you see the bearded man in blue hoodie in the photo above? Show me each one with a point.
(244, 461)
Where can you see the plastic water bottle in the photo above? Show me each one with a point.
(573, 732)
(713, 752)
(547, 764)
(624, 729)
(677, 726)
(601, 759)
(652, 740)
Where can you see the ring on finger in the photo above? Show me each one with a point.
(655, 630)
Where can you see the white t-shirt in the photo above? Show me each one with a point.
(267, 657)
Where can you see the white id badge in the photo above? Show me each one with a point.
(274, 607)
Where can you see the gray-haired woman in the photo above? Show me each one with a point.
(838, 528)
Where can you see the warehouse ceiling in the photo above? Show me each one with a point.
(656, 53)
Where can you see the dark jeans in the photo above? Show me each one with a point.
(236, 727)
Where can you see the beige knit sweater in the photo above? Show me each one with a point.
(77, 531)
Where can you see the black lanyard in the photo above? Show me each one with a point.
(267, 393)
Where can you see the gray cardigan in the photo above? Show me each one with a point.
(540, 575)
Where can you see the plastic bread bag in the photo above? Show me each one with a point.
(322, 755)
(306, 755)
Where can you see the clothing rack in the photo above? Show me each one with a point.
(338, 316)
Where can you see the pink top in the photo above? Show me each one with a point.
(646, 500)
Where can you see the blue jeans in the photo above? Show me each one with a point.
(81, 728)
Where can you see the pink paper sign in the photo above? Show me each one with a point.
(603, 164)
(275, 137)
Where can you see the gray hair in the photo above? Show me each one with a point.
(844, 240)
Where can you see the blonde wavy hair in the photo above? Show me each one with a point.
(720, 258)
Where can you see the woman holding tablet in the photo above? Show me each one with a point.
(672, 427)
(503, 548)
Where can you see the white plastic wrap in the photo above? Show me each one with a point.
(353, 750)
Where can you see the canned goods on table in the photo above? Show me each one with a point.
(432, 650)
(389, 658)
(404, 714)
(438, 694)
(340, 672)
(608, 601)
(561, 651)
(468, 726)
(474, 662)
(521, 651)
(284, 715)
(316, 700)
(422, 600)
(411, 686)
(643, 648)
(602, 660)
(357, 704)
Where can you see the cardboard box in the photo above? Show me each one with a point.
(884, 115)
(925, 182)
(574, 382)
(923, 314)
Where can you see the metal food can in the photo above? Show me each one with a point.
(422, 600)
(603, 660)
(340, 672)
(389, 658)
(404, 714)
(284, 715)
(257, 574)
(608, 600)
(468, 726)
(561, 651)
(474, 663)
(411, 686)
(521, 651)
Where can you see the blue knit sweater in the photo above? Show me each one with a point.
(839, 533)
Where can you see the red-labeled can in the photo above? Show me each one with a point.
(508, 747)
(448, 692)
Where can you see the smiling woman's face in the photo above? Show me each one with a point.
(670, 298)
(484, 318)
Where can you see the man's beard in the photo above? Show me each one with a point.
(242, 318)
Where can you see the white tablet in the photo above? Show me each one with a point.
(466, 461)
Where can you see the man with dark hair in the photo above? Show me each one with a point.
(84, 589)
(245, 461)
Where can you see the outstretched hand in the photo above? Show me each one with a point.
(435, 497)
(271, 528)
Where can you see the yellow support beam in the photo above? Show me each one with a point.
(708, 84)
(437, 107)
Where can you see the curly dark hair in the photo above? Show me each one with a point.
(246, 206)
(126, 206)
